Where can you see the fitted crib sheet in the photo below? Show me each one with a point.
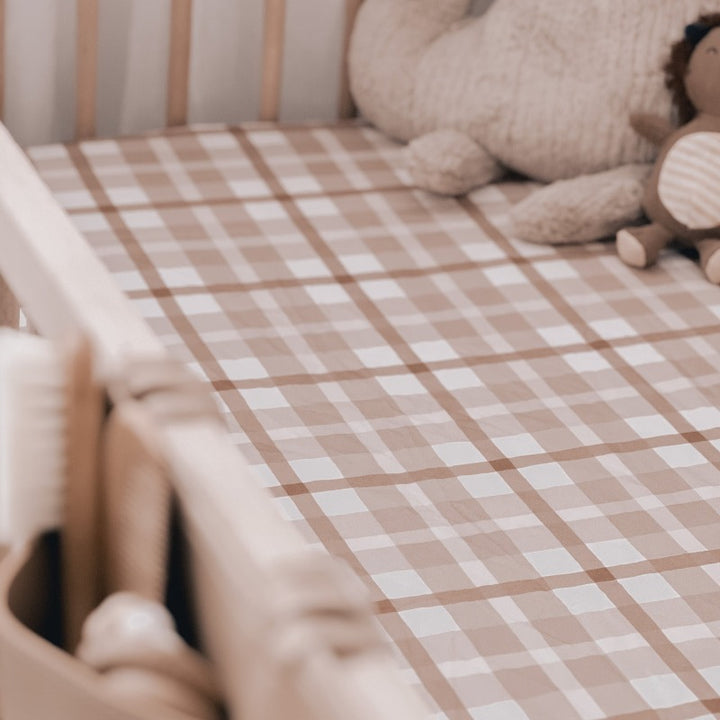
(515, 446)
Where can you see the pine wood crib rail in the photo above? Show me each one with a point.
(62, 287)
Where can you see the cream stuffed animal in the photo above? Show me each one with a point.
(543, 88)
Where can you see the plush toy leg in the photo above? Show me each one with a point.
(710, 259)
(581, 209)
(640, 246)
(449, 162)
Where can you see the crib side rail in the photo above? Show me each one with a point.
(237, 537)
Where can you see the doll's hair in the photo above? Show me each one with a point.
(676, 67)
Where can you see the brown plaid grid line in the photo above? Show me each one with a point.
(516, 446)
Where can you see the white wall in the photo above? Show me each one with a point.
(225, 66)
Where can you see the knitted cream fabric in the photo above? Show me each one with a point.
(545, 86)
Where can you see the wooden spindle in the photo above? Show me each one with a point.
(273, 51)
(179, 63)
(86, 68)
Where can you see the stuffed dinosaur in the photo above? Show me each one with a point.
(682, 198)
(541, 88)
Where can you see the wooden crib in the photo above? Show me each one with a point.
(63, 288)
(518, 454)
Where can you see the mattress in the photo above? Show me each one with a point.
(514, 446)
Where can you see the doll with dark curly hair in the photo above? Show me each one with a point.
(682, 198)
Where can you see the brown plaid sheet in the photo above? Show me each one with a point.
(515, 446)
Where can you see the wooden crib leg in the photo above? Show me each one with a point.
(9, 308)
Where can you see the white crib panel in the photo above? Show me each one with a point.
(225, 60)
(40, 70)
(313, 60)
(133, 65)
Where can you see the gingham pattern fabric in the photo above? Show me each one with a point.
(515, 446)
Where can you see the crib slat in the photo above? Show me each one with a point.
(9, 308)
(179, 64)
(273, 50)
(86, 68)
(347, 107)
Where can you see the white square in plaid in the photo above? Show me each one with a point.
(663, 691)
(649, 426)
(262, 211)
(72, 199)
(483, 252)
(681, 456)
(327, 294)
(148, 307)
(308, 268)
(639, 354)
(556, 270)
(431, 351)
(178, 277)
(243, 368)
(560, 335)
(424, 622)
(615, 552)
(465, 668)
(584, 599)
(376, 357)
(458, 378)
(712, 675)
(264, 398)
(288, 509)
(583, 362)
(318, 207)
(90, 222)
(458, 453)
(621, 643)
(478, 573)
(249, 188)
(688, 633)
(651, 587)
(301, 184)
(361, 263)
(505, 275)
(99, 147)
(382, 289)
(485, 485)
(142, 219)
(554, 561)
(402, 385)
(505, 710)
(130, 195)
(130, 280)
(703, 418)
(48, 152)
(331, 502)
(266, 138)
(613, 328)
(401, 584)
(545, 476)
(217, 141)
(197, 304)
(518, 445)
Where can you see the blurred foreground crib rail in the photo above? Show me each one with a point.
(251, 571)
(247, 563)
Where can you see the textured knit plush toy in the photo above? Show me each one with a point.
(541, 87)
(682, 198)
